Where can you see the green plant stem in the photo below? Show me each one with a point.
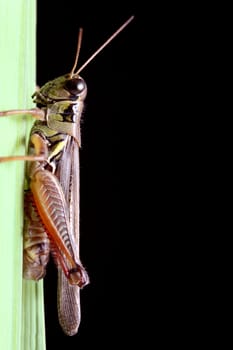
(21, 302)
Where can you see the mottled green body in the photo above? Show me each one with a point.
(53, 196)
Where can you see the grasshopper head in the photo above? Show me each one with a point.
(63, 88)
(71, 86)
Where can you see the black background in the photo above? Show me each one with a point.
(108, 126)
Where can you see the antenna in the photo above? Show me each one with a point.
(102, 46)
(80, 35)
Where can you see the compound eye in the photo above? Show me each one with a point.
(80, 85)
(76, 86)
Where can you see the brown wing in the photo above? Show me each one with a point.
(69, 312)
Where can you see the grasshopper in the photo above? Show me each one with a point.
(51, 220)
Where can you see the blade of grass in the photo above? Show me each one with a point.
(21, 302)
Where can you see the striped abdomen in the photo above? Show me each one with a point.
(36, 243)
